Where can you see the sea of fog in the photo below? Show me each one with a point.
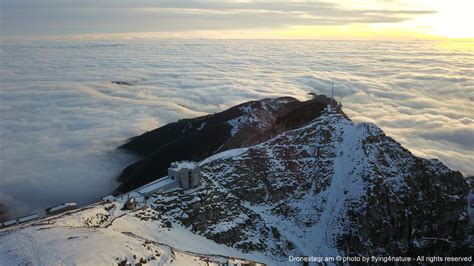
(61, 118)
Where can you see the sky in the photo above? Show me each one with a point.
(330, 19)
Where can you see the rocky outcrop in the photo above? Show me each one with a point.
(427, 215)
(194, 139)
(219, 215)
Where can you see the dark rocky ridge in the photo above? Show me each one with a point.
(198, 138)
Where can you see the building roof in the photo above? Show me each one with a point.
(9, 222)
(62, 206)
(156, 185)
(28, 217)
(109, 197)
(183, 165)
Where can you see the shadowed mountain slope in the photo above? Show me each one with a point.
(194, 139)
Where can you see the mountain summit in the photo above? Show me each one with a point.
(195, 139)
(329, 187)
(334, 187)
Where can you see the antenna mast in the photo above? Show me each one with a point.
(332, 93)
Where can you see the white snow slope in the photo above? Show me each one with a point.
(103, 234)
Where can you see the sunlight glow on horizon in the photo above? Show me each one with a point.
(452, 20)
(326, 19)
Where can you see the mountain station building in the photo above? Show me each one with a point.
(186, 173)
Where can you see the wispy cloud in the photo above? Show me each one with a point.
(43, 17)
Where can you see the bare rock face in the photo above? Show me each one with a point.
(194, 139)
(219, 215)
(426, 215)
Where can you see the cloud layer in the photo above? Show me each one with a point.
(61, 117)
(58, 17)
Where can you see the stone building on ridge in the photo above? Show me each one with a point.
(186, 173)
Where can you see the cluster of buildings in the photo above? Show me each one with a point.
(184, 174)
(49, 211)
(181, 175)
(333, 106)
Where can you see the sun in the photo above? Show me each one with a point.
(455, 22)
(453, 19)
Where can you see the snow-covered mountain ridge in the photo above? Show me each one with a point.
(331, 187)
(334, 187)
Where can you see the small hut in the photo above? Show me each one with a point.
(131, 203)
